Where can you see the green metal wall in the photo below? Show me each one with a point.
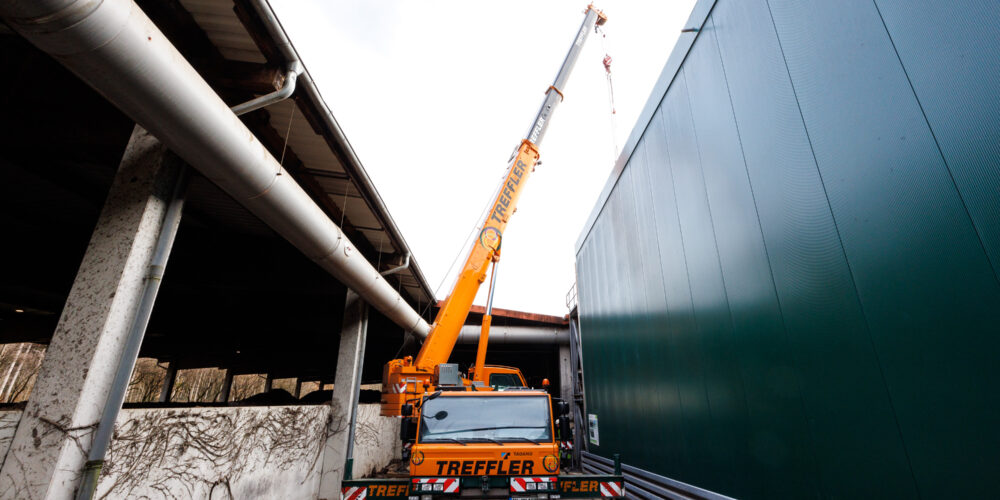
(789, 288)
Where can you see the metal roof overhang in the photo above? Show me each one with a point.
(304, 131)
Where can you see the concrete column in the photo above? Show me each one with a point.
(345, 401)
(565, 374)
(268, 382)
(50, 445)
(298, 388)
(227, 386)
(168, 382)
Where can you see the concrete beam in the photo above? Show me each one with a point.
(168, 382)
(345, 400)
(51, 443)
(565, 373)
(227, 386)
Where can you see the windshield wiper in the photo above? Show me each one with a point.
(521, 439)
(450, 440)
(432, 396)
(482, 439)
(495, 428)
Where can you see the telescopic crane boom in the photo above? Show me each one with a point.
(403, 378)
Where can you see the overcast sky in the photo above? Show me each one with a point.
(435, 95)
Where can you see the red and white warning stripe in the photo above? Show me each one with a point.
(399, 388)
(566, 445)
(354, 493)
(612, 489)
(520, 484)
(450, 483)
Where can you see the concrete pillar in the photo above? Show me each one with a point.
(49, 448)
(168, 382)
(268, 382)
(345, 401)
(227, 386)
(298, 388)
(565, 374)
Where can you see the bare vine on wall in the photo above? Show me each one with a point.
(193, 452)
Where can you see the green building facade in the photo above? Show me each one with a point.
(789, 287)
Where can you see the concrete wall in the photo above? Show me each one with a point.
(8, 424)
(235, 452)
(376, 441)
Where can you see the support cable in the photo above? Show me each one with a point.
(611, 88)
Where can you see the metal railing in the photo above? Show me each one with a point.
(647, 485)
(571, 297)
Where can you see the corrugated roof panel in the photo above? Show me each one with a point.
(309, 146)
(217, 19)
(380, 241)
(357, 211)
(337, 186)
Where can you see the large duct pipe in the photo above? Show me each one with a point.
(499, 334)
(277, 33)
(113, 47)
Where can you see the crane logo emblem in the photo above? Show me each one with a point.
(490, 238)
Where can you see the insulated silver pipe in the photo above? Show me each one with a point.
(500, 334)
(113, 47)
(308, 88)
(401, 267)
(286, 91)
(136, 332)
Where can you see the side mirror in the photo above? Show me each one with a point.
(406, 410)
(563, 409)
(565, 430)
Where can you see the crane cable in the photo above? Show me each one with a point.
(478, 225)
(611, 88)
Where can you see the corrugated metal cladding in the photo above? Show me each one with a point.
(790, 287)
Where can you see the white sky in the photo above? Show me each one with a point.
(435, 95)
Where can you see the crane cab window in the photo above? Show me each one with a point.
(504, 380)
(485, 419)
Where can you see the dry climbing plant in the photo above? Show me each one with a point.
(180, 453)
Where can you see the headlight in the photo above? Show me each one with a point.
(426, 497)
(439, 487)
(428, 487)
(530, 486)
(543, 496)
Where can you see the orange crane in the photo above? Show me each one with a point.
(471, 440)
(404, 380)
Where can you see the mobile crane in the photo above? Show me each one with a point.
(471, 438)
(405, 379)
